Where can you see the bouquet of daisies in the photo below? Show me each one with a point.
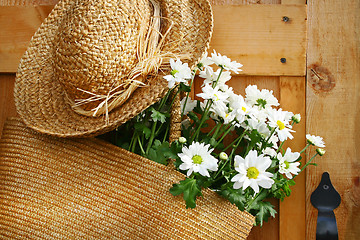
(230, 143)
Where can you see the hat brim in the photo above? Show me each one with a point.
(90, 189)
(41, 101)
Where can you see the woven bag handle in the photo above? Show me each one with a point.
(175, 119)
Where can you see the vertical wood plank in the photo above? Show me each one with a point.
(7, 104)
(333, 100)
(292, 98)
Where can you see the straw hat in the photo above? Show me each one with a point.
(89, 189)
(94, 64)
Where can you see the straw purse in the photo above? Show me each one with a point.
(54, 188)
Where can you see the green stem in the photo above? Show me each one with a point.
(215, 128)
(307, 164)
(237, 145)
(229, 125)
(133, 142)
(152, 136)
(202, 120)
(216, 82)
(248, 207)
(166, 133)
(158, 130)
(305, 148)
(217, 173)
(267, 140)
(141, 147)
(207, 108)
(280, 147)
(231, 144)
(223, 136)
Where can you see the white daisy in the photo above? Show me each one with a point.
(315, 140)
(280, 120)
(205, 62)
(241, 109)
(198, 158)
(269, 152)
(211, 77)
(208, 92)
(180, 73)
(260, 126)
(220, 110)
(225, 62)
(252, 172)
(287, 164)
(190, 105)
(262, 99)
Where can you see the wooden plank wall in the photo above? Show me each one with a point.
(286, 80)
(333, 107)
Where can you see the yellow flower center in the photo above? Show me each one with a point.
(287, 164)
(252, 172)
(197, 159)
(217, 98)
(280, 124)
(244, 109)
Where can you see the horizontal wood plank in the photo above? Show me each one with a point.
(17, 25)
(253, 35)
(257, 37)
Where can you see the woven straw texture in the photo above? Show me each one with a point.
(67, 57)
(56, 188)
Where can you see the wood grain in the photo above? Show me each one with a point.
(271, 230)
(333, 100)
(17, 25)
(243, 2)
(7, 104)
(27, 2)
(258, 45)
(256, 36)
(292, 98)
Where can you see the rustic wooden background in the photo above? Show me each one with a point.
(321, 41)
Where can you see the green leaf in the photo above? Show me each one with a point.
(157, 157)
(160, 152)
(213, 142)
(185, 88)
(235, 196)
(264, 211)
(158, 116)
(193, 117)
(190, 190)
(143, 129)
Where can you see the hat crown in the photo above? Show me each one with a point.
(96, 46)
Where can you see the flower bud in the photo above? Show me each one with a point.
(223, 156)
(182, 140)
(320, 151)
(296, 118)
